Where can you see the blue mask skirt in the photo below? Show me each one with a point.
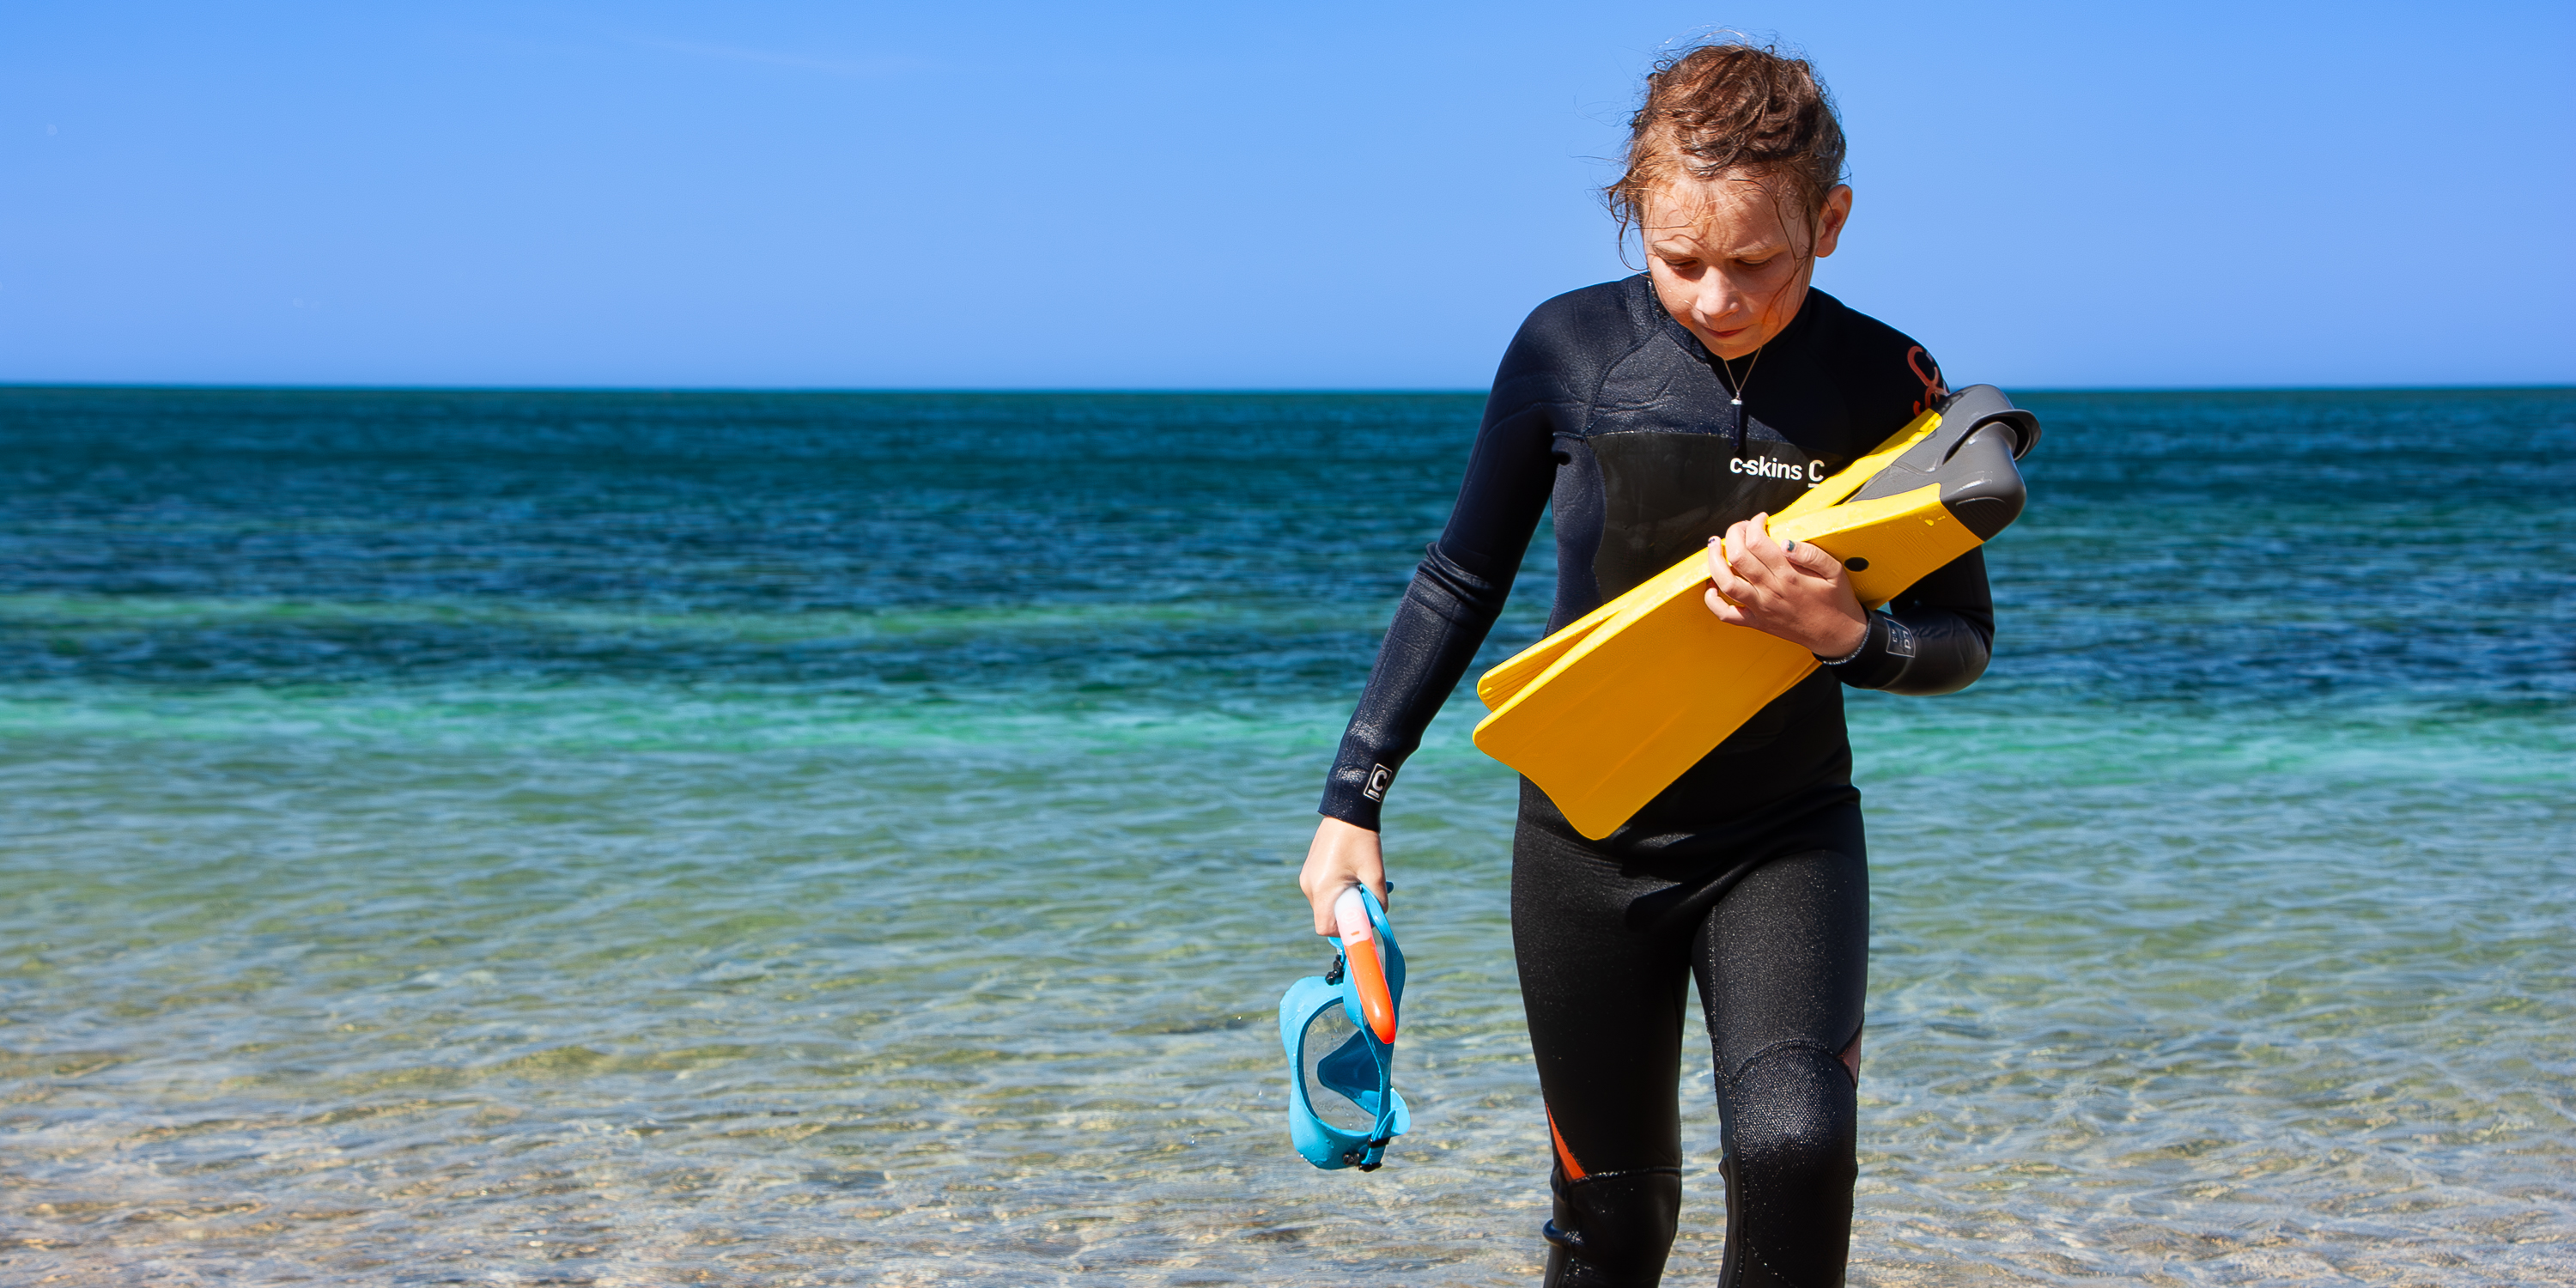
(1360, 1069)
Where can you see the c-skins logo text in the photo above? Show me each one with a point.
(1765, 467)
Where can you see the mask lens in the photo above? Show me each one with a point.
(1328, 1033)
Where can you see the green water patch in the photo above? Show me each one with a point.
(1993, 733)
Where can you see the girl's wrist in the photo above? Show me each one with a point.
(1857, 647)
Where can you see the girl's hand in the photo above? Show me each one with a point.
(1343, 855)
(1800, 595)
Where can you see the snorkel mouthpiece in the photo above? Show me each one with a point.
(1368, 974)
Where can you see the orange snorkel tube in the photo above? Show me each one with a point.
(1368, 974)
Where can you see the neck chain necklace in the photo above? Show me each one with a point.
(1748, 374)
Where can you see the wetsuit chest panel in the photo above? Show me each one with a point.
(1664, 494)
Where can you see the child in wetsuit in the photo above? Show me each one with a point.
(1749, 872)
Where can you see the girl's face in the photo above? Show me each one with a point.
(1731, 257)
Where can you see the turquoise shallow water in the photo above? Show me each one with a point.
(637, 839)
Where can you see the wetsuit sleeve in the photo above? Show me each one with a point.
(1934, 638)
(1459, 588)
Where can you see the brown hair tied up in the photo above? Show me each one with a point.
(1731, 105)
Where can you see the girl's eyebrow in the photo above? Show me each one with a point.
(1671, 246)
(1758, 250)
(1758, 246)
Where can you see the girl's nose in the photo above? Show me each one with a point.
(1715, 300)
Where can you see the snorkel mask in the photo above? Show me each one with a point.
(1339, 1033)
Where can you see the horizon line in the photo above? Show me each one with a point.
(14, 386)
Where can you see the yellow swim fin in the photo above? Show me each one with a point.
(1606, 712)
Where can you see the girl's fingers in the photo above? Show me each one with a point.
(1341, 855)
(1723, 572)
(1751, 575)
(1739, 551)
(1729, 585)
(1757, 554)
(1809, 558)
(1763, 547)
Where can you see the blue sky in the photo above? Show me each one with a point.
(1210, 196)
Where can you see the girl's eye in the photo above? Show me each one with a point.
(1757, 263)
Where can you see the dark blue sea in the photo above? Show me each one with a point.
(642, 839)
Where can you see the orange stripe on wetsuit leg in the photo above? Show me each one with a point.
(1564, 1156)
(1851, 1057)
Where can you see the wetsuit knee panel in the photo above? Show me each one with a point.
(1791, 1113)
(1792, 1128)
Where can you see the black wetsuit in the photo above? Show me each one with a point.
(1749, 872)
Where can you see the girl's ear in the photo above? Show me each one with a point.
(1830, 220)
